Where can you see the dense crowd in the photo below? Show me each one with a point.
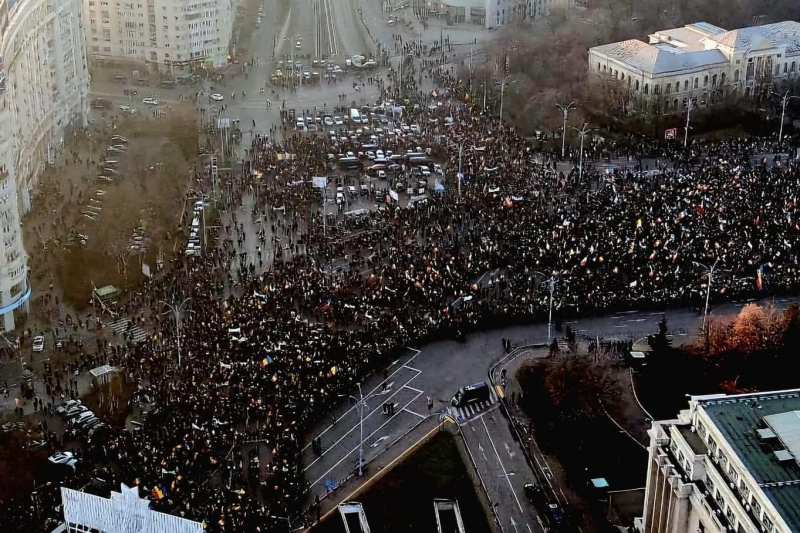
(276, 335)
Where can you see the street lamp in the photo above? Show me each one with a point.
(688, 117)
(360, 401)
(178, 310)
(506, 79)
(565, 109)
(582, 134)
(710, 271)
(784, 100)
(551, 282)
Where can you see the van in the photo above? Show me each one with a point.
(478, 392)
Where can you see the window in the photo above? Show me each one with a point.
(794, 65)
(646, 88)
(669, 88)
(696, 83)
(705, 81)
(636, 85)
(785, 67)
(736, 75)
(721, 82)
(677, 86)
(686, 85)
(714, 80)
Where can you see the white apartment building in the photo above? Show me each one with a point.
(701, 62)
(44, 84)
(727, 463)
(165, 34)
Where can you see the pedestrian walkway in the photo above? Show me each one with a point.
(126, 329)
(470, 411)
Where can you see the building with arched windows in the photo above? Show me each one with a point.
(700, 62)
(44, 84)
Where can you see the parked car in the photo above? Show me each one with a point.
(38, 343)
(216, 97)
(64, 458)
(149, 100)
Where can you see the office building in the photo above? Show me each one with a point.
(727, 463)
(166, 35)
(44, 84)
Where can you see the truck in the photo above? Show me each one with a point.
(355, 116)
(478, 392)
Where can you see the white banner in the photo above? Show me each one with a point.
(394, 196)
(320, 182)
(146, 270)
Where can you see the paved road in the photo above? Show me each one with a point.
(437, 371)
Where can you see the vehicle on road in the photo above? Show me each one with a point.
(478, 392)
(216, 97)
(338, 121)
(69, 404)
(328, 120)
(64, 458)
(150, 100)
(38, 343)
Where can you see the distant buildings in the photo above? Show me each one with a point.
(497, 13)
(727, 463)
(44, 84)
(700, 62)
(164, 34)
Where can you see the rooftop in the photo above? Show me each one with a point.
(660, 59)
(739, 418)
(760, 37)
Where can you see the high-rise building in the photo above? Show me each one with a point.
(727, 463)
(44, 84)
(165, 34)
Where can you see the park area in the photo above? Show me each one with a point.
(110, 206)
(402, 500)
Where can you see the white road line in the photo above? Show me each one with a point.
(411, 388)
(502, 466)
(415, 414)
(321, 433)
(356, 447)
(344, 435)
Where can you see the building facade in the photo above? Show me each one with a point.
(497, 13)
(123, 512)
(727, 463)
(165, 34)
(44, 84)
(701, 63)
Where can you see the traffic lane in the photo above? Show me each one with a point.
(504, 471)
(348, 421)
(380, 431)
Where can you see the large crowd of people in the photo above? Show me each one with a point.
(276, 334)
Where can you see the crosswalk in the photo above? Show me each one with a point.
(123, 328)
(470, 411)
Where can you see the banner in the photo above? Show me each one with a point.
(320, 182)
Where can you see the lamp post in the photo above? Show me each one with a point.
(565, 109)
(688, 117)
(784, 101)
(582, 134)
(710, 271)
(178, 310)
(551, 283)
(360, 401)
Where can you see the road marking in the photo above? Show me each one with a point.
(371, 393)
(414, 413)
(409, 387)
(353, 428)
(374, 444)
(356, 447)
(508, 449)
(502, 466)
(514, 523)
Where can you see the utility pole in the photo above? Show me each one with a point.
(710, 270)
(178, 310)
(688, 116)
(785, 101)
(502, 91)
(565, 109)
(551, 283)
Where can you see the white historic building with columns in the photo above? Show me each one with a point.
(700, 62)
(44, 84)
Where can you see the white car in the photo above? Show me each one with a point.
(150, 101)
(38, 343)
(339, 198)
(352, 190)
(338, 121)
(328, 121)
(64, 458)
(216, 97)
